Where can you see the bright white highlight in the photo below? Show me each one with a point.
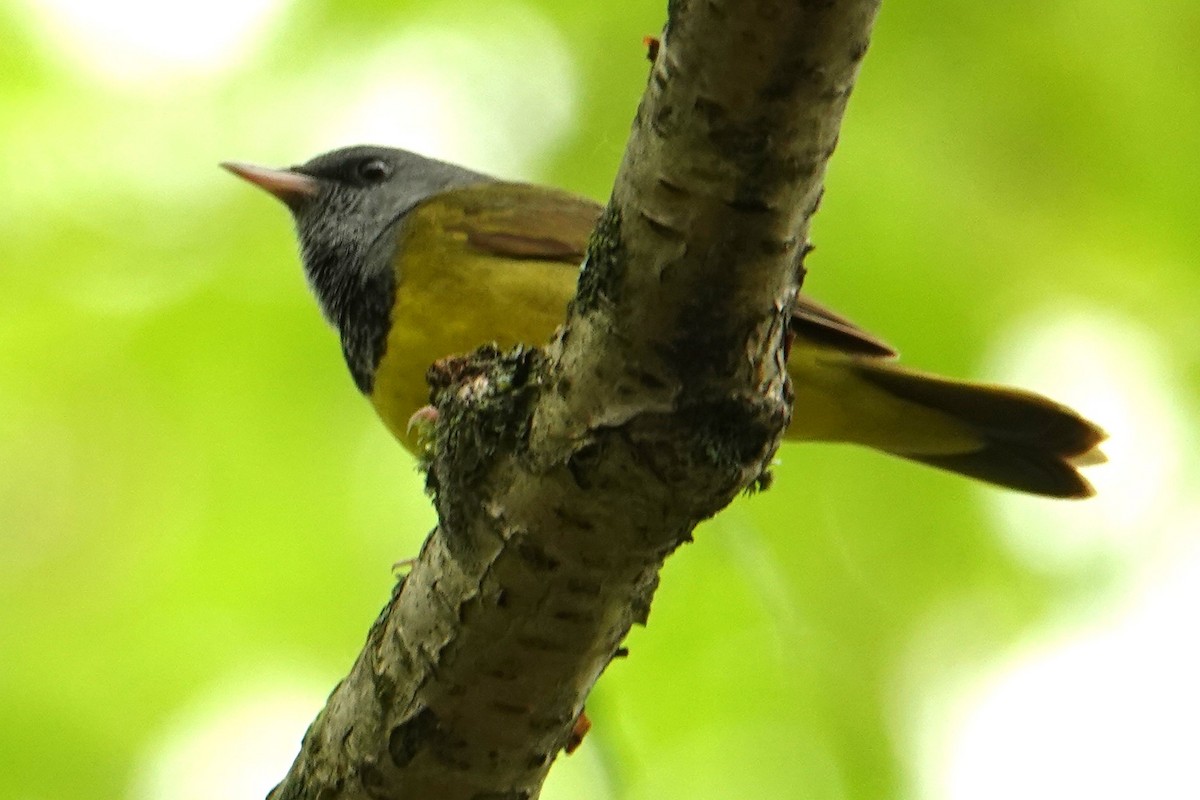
(1112, 371)
(144, 41)
(1108, 710)
(235, 744)
(1110, 715)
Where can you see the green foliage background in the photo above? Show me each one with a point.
(192, 495)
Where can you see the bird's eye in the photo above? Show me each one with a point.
(374, 170)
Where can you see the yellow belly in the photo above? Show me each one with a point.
(495, 300)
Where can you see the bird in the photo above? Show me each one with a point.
(412, 259)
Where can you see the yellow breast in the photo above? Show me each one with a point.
(452, 298)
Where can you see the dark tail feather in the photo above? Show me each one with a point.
(1030, 443)
(1024, 469)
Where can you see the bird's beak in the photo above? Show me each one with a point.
(293, 188)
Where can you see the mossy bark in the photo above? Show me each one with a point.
(564, 477)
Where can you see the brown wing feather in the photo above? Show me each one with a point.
(815, 322)
(526, 221)
(537, 222)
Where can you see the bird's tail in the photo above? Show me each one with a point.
(1024, 441)
(1005, 436)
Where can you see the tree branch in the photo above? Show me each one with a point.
(564, 477)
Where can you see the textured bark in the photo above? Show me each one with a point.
(564, 477)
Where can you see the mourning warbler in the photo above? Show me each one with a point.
(413, 259)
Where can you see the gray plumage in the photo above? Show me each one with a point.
(347, 235)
